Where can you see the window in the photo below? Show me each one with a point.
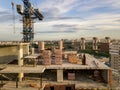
(52, 88)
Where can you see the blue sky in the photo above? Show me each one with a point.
(68, 19)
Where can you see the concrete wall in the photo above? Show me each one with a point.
(9, 53)
(105, 75)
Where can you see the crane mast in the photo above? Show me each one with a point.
(28, 15)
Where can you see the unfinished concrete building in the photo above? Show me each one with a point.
(115, 60)
(95, 43)
(82, 44)
(65, 74)
(107, 40)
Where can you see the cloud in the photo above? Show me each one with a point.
(93, 23)
(94, 4)
(75, 17)
(3, 13)
(7, 16)
(50, 32)
(64, 25)
(118, 20)
(57, 7)
(89, 14)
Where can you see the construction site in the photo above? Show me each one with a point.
(55, 69)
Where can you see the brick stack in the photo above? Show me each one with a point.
(58, 57)
(46, 57)
(72, 58)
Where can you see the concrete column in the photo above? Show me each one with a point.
(95, 43)
(110, 78)
(60, 44)
(20, 54)
(27, 47)
(41, 45)
(20, 76)
(20, 60)
(59, 75)
(95, 89)
(82, 43)
(32, 51)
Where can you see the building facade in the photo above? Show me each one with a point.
(115, 60)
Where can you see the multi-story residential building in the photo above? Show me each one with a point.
(115, 60)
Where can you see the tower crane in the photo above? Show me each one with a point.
(28, 15)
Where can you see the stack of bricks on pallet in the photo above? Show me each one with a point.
(47, 57)
(58, 57)
(71, 76)
(72, 58)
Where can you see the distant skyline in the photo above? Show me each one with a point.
(64, 19)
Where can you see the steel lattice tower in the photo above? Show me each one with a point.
(28, 14)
